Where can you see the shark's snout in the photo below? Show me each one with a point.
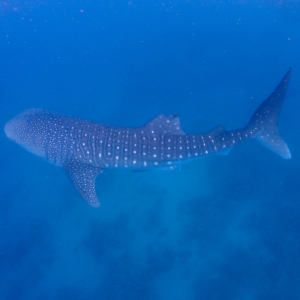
(16, 129)
(9, 129)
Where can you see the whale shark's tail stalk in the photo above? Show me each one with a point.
(263, 124)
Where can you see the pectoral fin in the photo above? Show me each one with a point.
(83, 177)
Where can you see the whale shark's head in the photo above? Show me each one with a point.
(22, 130)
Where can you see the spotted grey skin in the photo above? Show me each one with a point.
(85, 148)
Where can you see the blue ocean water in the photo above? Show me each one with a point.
(224, 227)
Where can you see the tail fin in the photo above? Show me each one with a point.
(263, 124)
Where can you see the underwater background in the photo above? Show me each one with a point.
(224, 227)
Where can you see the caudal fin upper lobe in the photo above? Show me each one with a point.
(264, 122)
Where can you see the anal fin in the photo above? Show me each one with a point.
(224, 152)
(83, 177)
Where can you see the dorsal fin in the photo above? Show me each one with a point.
(169, 125)
(216, 131)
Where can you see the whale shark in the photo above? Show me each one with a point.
(85, 148)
